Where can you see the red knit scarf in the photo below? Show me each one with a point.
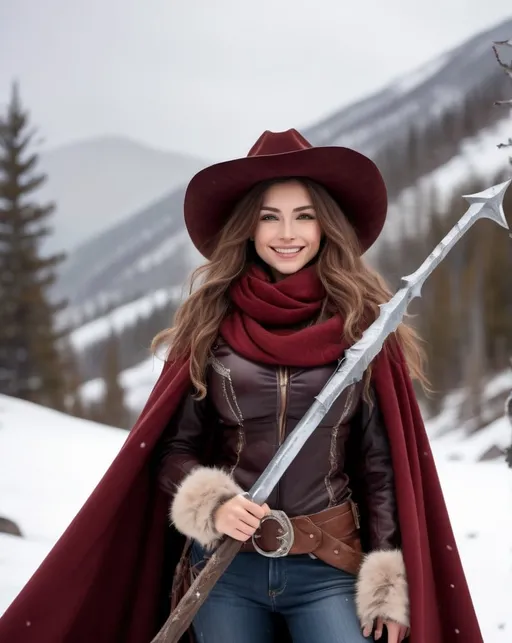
(264, 313)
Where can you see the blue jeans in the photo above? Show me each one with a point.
(315, 599)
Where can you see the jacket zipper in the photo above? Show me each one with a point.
(282, 380)
(283, 395)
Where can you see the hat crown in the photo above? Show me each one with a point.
(279, 143)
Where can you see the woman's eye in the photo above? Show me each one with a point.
(273, 217)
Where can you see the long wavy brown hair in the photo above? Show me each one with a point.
(353, 289)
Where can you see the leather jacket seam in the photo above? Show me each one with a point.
(333, 451)
(233, 405)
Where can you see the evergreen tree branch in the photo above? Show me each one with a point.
(33, 183)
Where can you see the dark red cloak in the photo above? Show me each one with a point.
(106, 579)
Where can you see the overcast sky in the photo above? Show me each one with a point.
(208, 76)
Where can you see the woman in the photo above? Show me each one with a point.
(286, 239)
(285, 293)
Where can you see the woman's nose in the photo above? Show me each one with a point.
(287, 230)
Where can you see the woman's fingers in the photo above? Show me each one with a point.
(238, 534)
(247, 518)
(396, 632)
(239, 517)
(379, 626)
(253, 508)
(367, 630)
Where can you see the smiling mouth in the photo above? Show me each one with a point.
(288, 252)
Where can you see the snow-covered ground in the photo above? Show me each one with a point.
(479, 499)
(49, 464)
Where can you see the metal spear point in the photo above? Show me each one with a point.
(487, 204)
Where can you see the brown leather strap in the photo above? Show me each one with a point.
(331, 535)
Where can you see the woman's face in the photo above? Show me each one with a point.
(287, 235)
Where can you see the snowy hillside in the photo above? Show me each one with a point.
(121, 317)
(479, 157)
(416, 98)
(137, 382)
(148, 251)
(49, 464)
(97, 183)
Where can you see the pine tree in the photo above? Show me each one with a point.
(114, 410)
(30, 364)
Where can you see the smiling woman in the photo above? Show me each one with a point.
(365, 544)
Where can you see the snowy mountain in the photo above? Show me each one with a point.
(150, 250)
(147, 251)
(416, 98)
(98, 183)
(50, 463)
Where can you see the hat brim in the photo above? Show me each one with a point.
(351, 178)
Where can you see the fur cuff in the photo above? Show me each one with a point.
(381, 588)
(197, 498)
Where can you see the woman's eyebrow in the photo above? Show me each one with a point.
(299, 209)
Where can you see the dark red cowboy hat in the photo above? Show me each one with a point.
(351, 178)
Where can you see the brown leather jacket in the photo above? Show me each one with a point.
(249, 410)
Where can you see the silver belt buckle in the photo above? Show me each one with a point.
(286, 538)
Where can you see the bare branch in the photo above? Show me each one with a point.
(508, 71)
(501, 145)
(504, 66)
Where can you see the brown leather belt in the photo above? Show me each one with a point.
(331, 535)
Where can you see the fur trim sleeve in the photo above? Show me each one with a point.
(381, 588)
(196, 500)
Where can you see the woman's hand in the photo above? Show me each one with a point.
(239, 517)
(396, 632)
